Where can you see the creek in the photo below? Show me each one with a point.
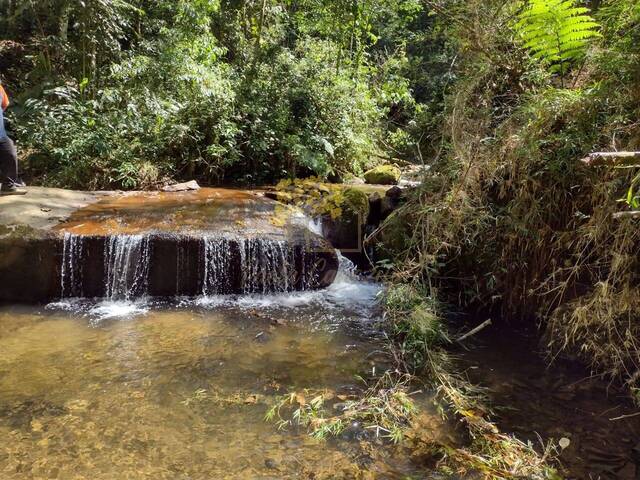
(108, 389)
(180, 319)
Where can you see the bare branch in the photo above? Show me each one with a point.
(612, 159)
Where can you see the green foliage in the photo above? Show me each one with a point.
(556, 32)
(416, 323)
(385, 409)
(130, 94)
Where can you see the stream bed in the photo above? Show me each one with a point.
(108, 390)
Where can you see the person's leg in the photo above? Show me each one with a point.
(8, 162)
(9, 182)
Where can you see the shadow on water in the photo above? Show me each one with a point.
(537, 402)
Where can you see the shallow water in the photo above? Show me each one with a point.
(179, 391)
(535, 402)
(240, 212)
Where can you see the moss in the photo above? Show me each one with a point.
(20, 232)
(383, 175)
(357, 202)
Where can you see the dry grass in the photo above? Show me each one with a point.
(512, 221)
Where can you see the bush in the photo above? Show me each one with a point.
(191, 93)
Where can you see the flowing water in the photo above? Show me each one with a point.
(114, 389)
(126, 260)
(131, 387)
(265, 266)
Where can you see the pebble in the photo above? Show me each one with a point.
(271, 464)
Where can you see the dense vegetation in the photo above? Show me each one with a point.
(511, 222)
(131, 93)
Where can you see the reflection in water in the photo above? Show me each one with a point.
(180, 392)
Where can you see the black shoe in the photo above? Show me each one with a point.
(11, 190)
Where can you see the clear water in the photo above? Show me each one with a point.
(123, 390)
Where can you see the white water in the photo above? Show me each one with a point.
(266, 266)
(71, 269)
(126, 266)
(349, 292)
(217, 266)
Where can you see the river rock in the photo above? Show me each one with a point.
(182, 187)
(383, 175)
(345, 232)
(187, 243)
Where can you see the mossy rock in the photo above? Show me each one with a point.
(383, 175)
(356, 201)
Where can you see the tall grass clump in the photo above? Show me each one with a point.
(510, 220)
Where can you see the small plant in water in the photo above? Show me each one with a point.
(385, 408)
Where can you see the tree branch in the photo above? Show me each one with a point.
(612, 159)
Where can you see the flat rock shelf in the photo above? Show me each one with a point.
(123, 246)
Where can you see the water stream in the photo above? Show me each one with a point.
(263, 266)
(126, 265)
(179, 390)
(111, 382)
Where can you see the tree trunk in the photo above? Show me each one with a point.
(63, 31)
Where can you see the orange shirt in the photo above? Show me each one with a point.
(5, 98)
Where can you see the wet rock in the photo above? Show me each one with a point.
(262, 337)
(354, 432)
(29, 268)
(356, 181)
(176, 236)
(271, 464)
(394, 193)
(346, 231)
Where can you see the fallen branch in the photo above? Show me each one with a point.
(480, 327)
(623, 417)
(621, 215)
(613, 159)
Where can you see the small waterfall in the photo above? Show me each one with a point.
(71, 269)
(268, 266)
(217, 267)
(126, 266)
(256, 265)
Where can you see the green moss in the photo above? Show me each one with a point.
(357, 202)
(383, 175)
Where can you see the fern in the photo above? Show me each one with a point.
(556, 32)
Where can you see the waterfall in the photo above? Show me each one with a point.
(217, 266)
(268, 266)
(119, 267)
(126, 266)
(261, 265)
(71, 269)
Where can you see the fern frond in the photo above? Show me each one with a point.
(556, 32)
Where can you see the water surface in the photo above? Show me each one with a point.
(106, 390)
